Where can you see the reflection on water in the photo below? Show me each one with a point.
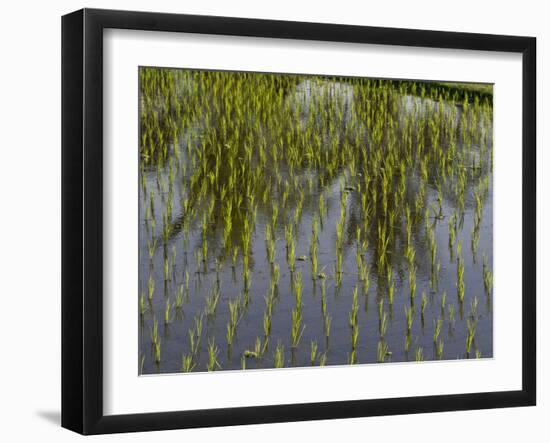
(295, 221)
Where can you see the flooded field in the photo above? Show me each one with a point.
(293, 220)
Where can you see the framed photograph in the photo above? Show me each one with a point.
(269, 221)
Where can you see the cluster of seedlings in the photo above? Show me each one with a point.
(265, 197)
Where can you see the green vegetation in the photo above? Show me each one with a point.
(268, 201)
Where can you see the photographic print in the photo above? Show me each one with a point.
(293, 220)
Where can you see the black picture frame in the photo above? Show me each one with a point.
(82, 218)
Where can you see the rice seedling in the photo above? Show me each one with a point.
(276, 274)
(246, 237)
(408, 229)
(338, 269)
(297, 329)
(383, 324)
(352, 358)
(178, 302)
(274, 216)
(155, 337)
(433, 249)
(412, 282)
(452, 234)
(313, 352)
(382, 351)
(451, 314)
(195, 335)
(380, 308)
(234, 256)
(419, 354)
(364, 272)
(353, 321)
(472, 326)
(257, 351)
(409, 318)
(193, 342)
(165, 229)
(437, 329)
(233, 321)
(151, 288)
(474, 242)
(321, 209)
(289, 236)
(267, 325)
(360, 249)
(151, 247)
(410, 254)
(428, 226)
(246, 273)
(156, 350)
(391, 288)
(230, 333)
(213, 352)
(166, 269)
(279, 357)
(327, 320)
(487, 275)
(459, 274)
(167, 311)
(142, 307)
(199, 258)
(297, 282)
(228, 223)
(354, 334)
(323, 299)
(383, 241)
(212, 301)
(339, 244)
(187, 363)
(439, 350)
(291, 259)
(270, 244)
(313, 248)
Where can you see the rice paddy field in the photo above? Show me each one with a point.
(297, 220)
